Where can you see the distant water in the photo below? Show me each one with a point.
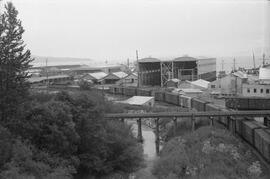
(54, 61)
(241, 61)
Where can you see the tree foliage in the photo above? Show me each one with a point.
(54, 136)
(14, 61)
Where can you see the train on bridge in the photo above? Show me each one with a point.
(253, 132)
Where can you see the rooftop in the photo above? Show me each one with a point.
(137, 100)
(183, 58)
(120, 74)
(200, 83)
(98, 75)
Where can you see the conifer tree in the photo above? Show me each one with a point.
(14, 62)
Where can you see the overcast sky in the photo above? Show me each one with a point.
(114, 29)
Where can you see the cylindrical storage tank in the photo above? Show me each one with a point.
(171, 98)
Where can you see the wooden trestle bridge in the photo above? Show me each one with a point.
(231, 116)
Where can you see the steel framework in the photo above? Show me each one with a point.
(166, 72)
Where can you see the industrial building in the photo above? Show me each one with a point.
(156, 72)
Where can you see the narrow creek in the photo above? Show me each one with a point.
(149, 150)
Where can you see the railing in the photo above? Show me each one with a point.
(212, 115)
(189, 114)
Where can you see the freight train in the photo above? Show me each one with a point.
(254, 133)
(251, 103)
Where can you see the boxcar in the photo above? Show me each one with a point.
(237, 103)
(262, 142)
(143, 92)
(248, 129)
(198, 104)
(211, 107)
(130, 91)
(259, 103)
(185, 101)
(159, 95)
(172, 98)
(224, 120)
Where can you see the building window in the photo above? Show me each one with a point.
(261, 90)
(248, 90)
(213, 86)
(255, 90)
(267, 91)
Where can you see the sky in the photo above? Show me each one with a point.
(113, 30)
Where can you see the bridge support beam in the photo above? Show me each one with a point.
(140, 137)
(174, 125)
(157, 136)
(211, 121)
(193, 120)
(233, 125)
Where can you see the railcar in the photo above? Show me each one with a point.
(171, 98)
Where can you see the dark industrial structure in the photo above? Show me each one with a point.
(156, 72)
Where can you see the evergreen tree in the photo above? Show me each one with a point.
(14, 61)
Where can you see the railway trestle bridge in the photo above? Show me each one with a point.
(230, 116)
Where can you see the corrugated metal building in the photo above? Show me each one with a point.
(156, 72)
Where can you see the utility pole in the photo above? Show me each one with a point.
(263, 59)
(47, 77)
(254, 64)
(138, 68)
(234, 67)
(222, 65)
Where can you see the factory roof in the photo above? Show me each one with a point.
(137, 100)
(183, 58)
(98, 75)
(120, 74)
(149, 60)
(200, 83)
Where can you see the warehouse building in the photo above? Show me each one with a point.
(156, 72)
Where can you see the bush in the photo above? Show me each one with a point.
(207, 153)
(5, 146)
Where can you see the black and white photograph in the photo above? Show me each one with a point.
(134, 89)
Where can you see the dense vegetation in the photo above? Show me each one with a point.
(55, 136)
(207, 153)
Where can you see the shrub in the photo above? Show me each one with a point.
(207, 153)
(5, 146)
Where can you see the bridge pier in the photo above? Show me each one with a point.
(193, 120)
(233, 125)
(122, 119)
(211, 121)
(174, 125)
(139, 123)
(157, 136)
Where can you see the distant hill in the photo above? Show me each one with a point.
(53, 61)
